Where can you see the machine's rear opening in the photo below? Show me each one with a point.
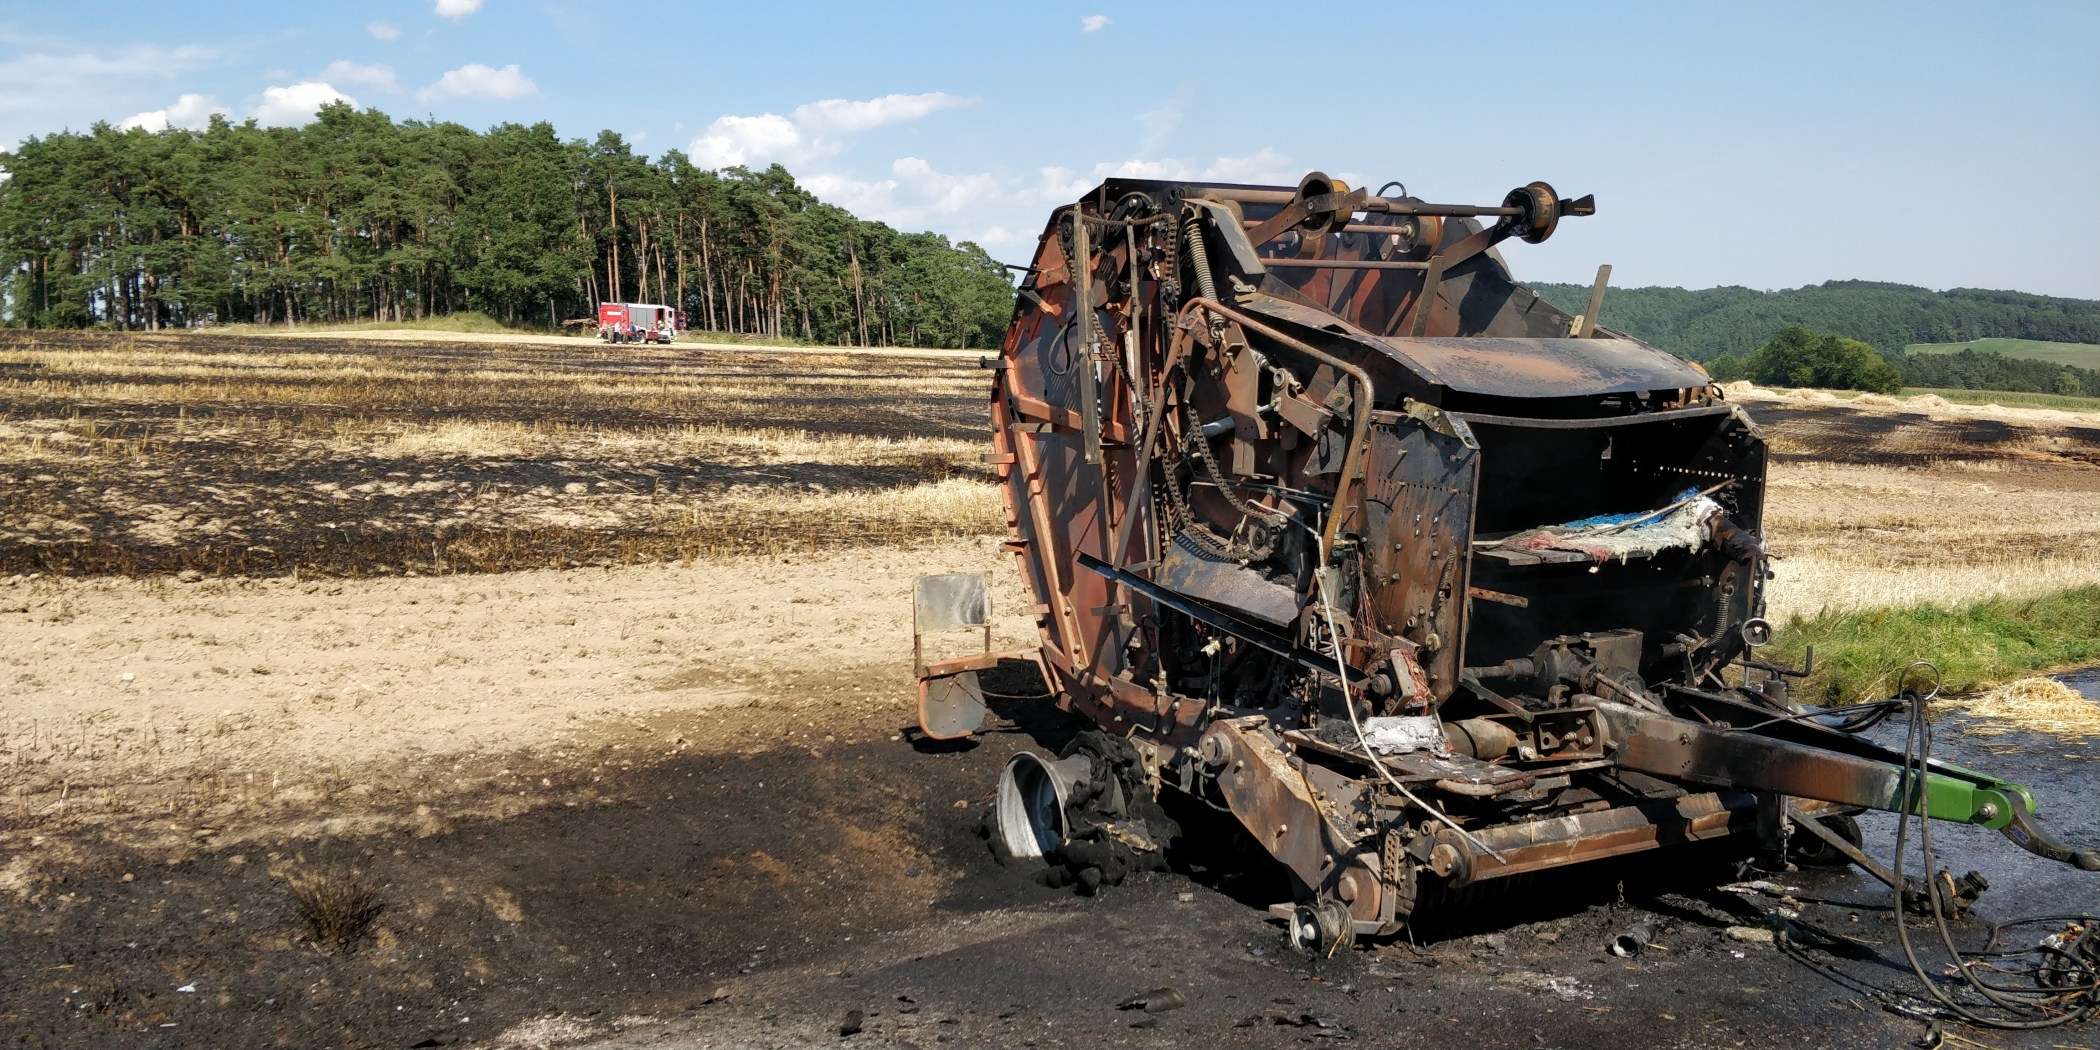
(1538, 473)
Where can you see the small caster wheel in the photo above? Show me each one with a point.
(1321, 927)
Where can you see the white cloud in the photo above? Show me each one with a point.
(456, 9)
(478, 81)
(748, 141)
(847, 115)
(383, 30)
(915, 195)
(810, 131)
(943, 193)
(1264, 165)
(55, 74)
(295, 104)
(373, 76)
(1157, 124)
(869, 200)
(1093, 23)
(190, 111)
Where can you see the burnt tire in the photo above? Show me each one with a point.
(1115, 825)
(1807, 849)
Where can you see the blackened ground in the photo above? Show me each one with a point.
(1873, 436)
(757, 896)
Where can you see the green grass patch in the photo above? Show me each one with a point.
(1977, 644)
(464, 321)
(2083, 355)
(2065, 402)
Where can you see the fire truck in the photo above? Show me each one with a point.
(638, 323)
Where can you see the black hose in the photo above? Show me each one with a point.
(2071, 990)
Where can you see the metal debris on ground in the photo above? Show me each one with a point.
(1156, 1001)
(1632, 942)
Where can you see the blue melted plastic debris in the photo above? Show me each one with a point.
(1621, 519)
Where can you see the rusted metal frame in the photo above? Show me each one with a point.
(1029, 459)
(1360, 418)
(1376, 229)
(1844, 846)
(1286, 218)
(1063, 418)
(1674, 747)
(1276, 802)
(1516, 601)
(1082, 275)
(1141, 484)
(1444, 259)
(1554, 842)
(1225, 620)
(1344, 264)
(1416, 320)
(1380, 205)
(1527, 781)
(1669, 415)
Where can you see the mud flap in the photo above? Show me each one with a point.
(951, 706)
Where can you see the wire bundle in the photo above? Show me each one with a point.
(2052, 983)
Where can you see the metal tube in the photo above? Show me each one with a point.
(1344, 264)
(1360, 422)
(1354, 227)
(1385, 205)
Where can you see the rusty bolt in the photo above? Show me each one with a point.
(1443, 859)
(1347, 890)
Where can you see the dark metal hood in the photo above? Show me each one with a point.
(1508, 367)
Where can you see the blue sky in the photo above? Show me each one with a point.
(1766, 145)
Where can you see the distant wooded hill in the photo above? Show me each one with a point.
(1709, 322)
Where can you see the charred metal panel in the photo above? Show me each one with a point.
(1227, 583)
(1419, 488)
(1544, 368)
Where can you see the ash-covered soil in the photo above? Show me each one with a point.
(798, 875)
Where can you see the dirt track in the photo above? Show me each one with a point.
(593, 798)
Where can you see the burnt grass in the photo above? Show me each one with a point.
(1883, 438)
(252, 484)
(178, 466)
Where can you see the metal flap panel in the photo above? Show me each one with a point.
(950, 601)
(1508, 367)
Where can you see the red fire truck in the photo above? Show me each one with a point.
(638, 323)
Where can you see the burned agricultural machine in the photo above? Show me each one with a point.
(1336, 526)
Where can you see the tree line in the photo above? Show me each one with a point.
(357, 217)
(1799, 357)
(1732, 328)
(1709, 322)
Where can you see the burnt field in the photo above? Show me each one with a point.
(254, 456)
(582, 674)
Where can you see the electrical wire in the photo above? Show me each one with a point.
(1341, 667)
(2049, 1003)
